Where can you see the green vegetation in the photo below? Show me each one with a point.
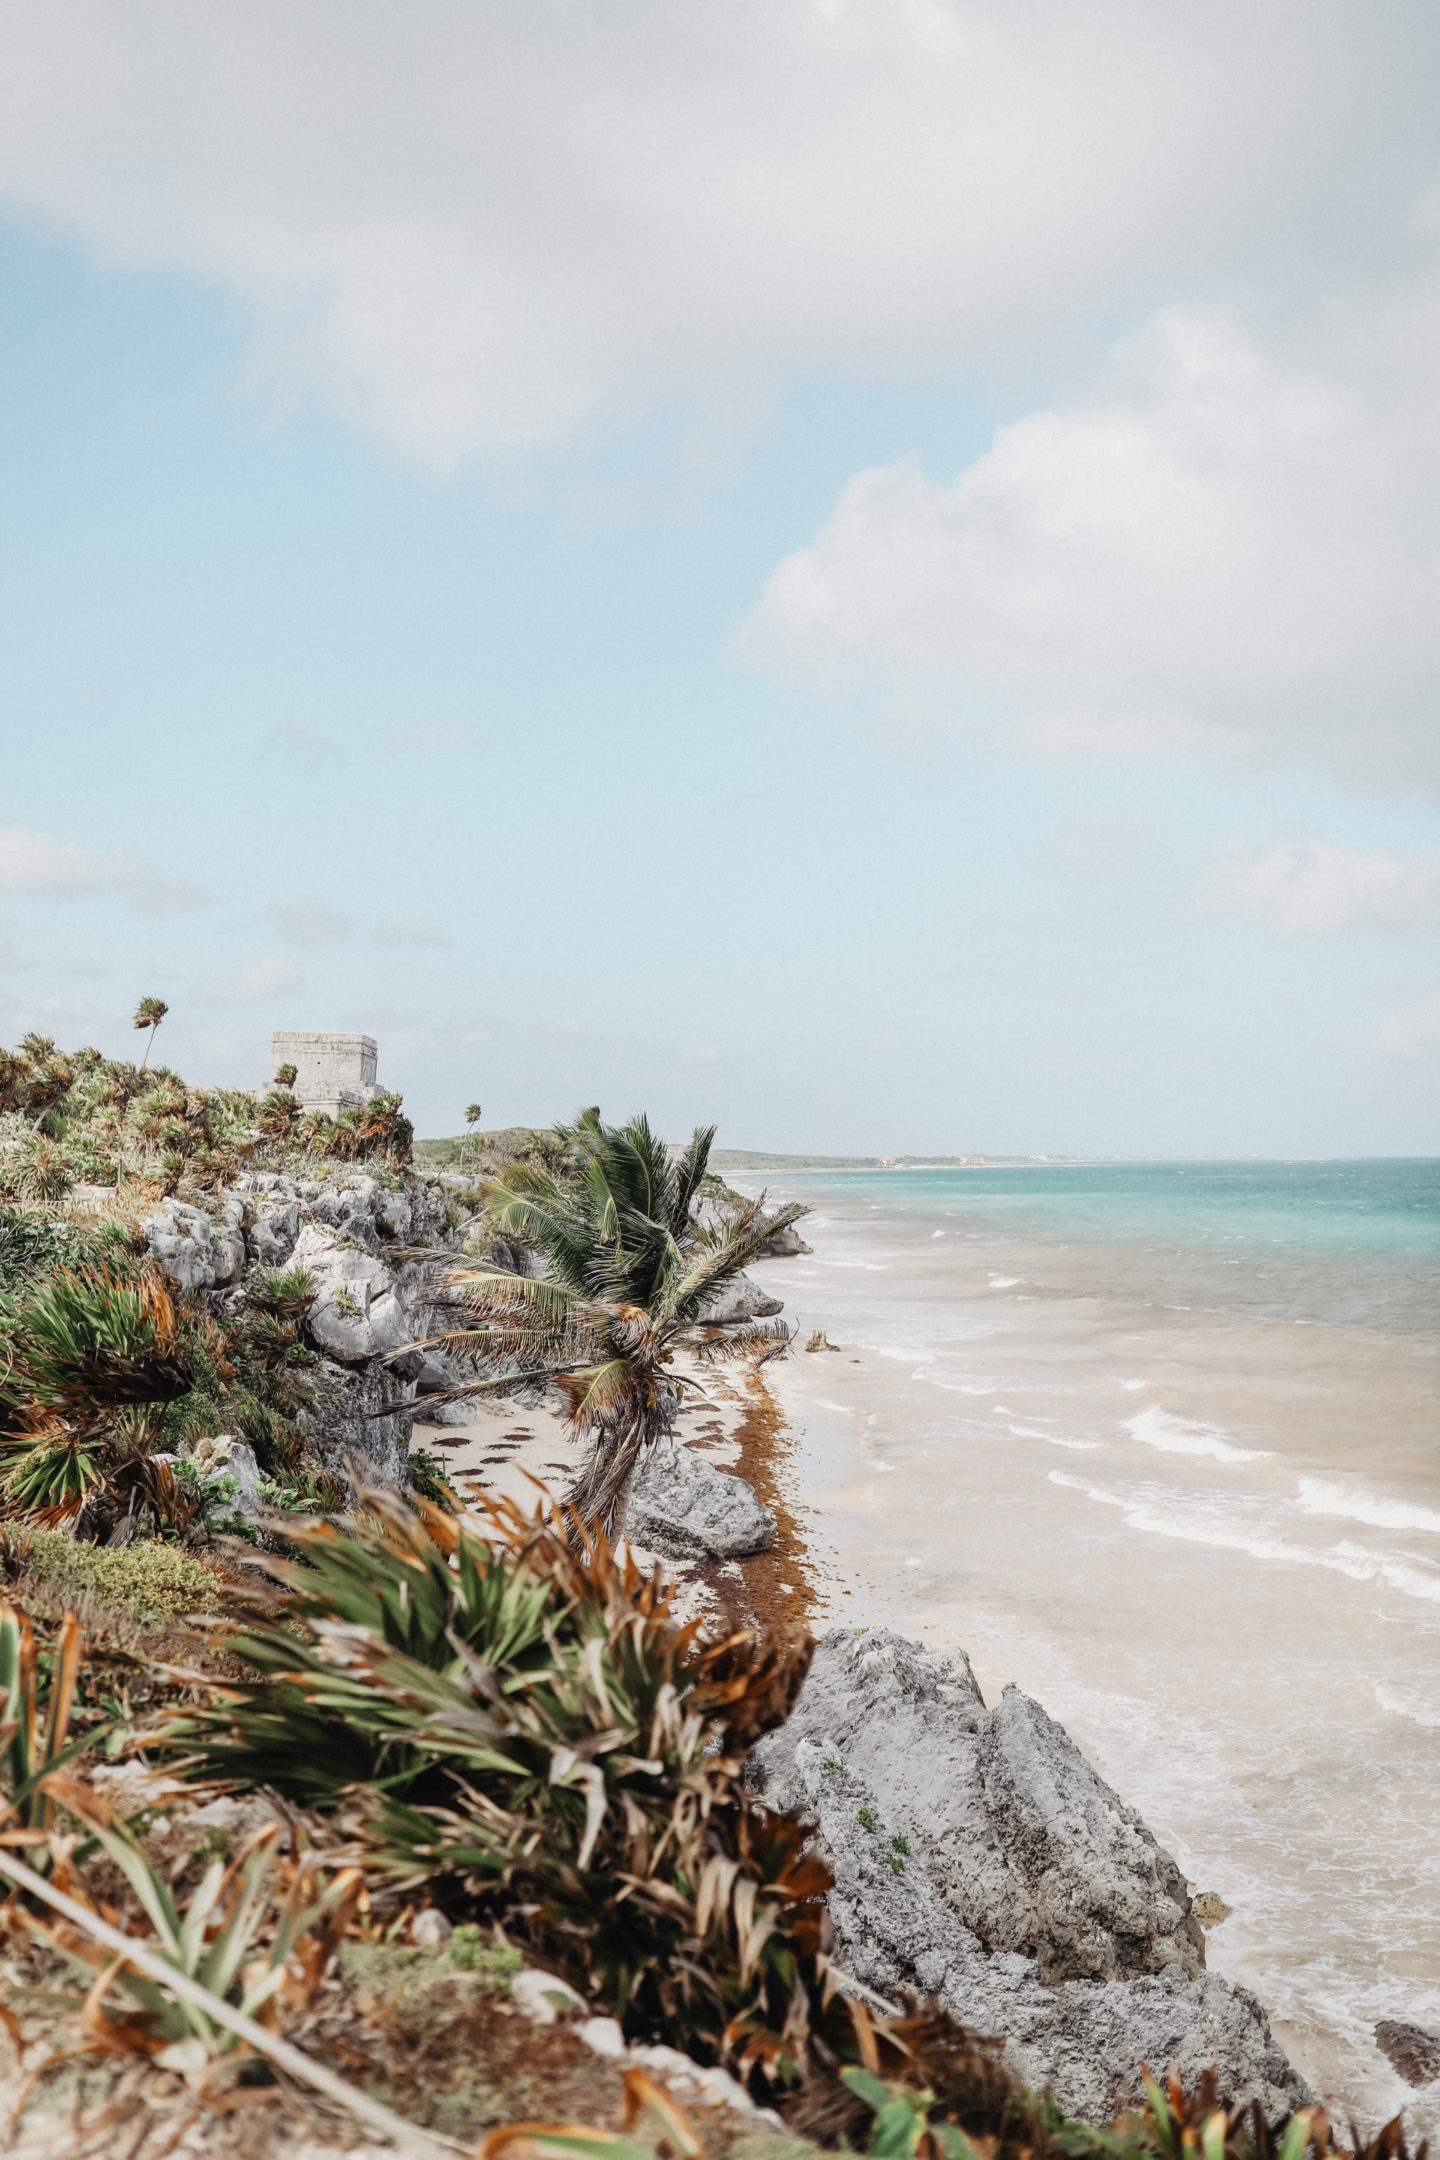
(630, 1270)
(149, 1582)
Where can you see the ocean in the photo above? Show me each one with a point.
(1161, 1443)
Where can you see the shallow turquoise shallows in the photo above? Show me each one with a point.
(1349, 1243)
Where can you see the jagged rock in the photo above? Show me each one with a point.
(341, 1419)
(358, 1313)
(980, 1859)
(359, 1207)
(740, 1299)
(683, 1507)
(1413, 2050)
(784, 1245)
(272, 1236)
(270, 1183)
(196, 1252)
(225, 1456)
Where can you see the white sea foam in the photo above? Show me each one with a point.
(1005, 1282)
(1132, 1387)
(1186, 1436)
(1356, 1561)
(1206, 1530)
(1029, 1432)
(1317, 1498)
(1413, 1577)
(937, 1233)
(1392, 1700)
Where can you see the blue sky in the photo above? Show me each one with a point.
(825, 671)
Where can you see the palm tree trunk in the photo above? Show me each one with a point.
(600, 1495)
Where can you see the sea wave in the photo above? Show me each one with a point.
(1186, 1436)
(1392, 1700)
(1318, 1498)
(1356, 1561)
(1030, 1432)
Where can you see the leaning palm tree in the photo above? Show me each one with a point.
(148, 1014)
(630, 1276)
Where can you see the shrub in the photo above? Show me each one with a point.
(149, 1582)
(526, 1728)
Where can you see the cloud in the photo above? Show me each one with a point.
(1414, 1032)
(33, 862)
(1308, 888)
(253, 983)
(1217, 551)
(499, 228)
(309, 922)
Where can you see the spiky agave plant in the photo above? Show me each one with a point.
(85, 1349)
(530, 1725)
(631, 1272)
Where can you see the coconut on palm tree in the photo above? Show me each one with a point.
(148, 1014)
(631, 1273)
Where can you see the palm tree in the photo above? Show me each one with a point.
(149, 1013)
(472, 1117)
(631, 1275)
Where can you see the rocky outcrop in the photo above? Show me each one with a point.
(978, 1858)
(740, 1299)
(342, 1230)
(343, 1423)
(198, 1251)
(226, 1458)
(1412, 2050)
(684, 1508)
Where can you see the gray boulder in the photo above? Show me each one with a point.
(978, 1858)
(196, 1251)
(740, 1299)
(683, 1507)
(359, 1312)
(342, 1420)
(272, 1236)
(359, 1207)
(225, 1456)
(1413, 2050)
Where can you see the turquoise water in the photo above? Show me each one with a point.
(1161, 1442)
(1339, 1243)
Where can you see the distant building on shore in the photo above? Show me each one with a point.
(333, 1072)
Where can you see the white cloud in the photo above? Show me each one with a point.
(479, 228)
(253, 983)
(1217, 551)
(1307, 888)
(34, 862)
(1414, 1032)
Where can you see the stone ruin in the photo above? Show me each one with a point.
(333, 1072)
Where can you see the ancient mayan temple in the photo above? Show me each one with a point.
(333, 1072)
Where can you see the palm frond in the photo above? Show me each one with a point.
(689, 1175)
(758, 1340)
(600, 1395)
(691, 1291)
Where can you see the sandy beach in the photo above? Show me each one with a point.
(1205, 1541)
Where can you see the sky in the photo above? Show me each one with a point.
(863, 571)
